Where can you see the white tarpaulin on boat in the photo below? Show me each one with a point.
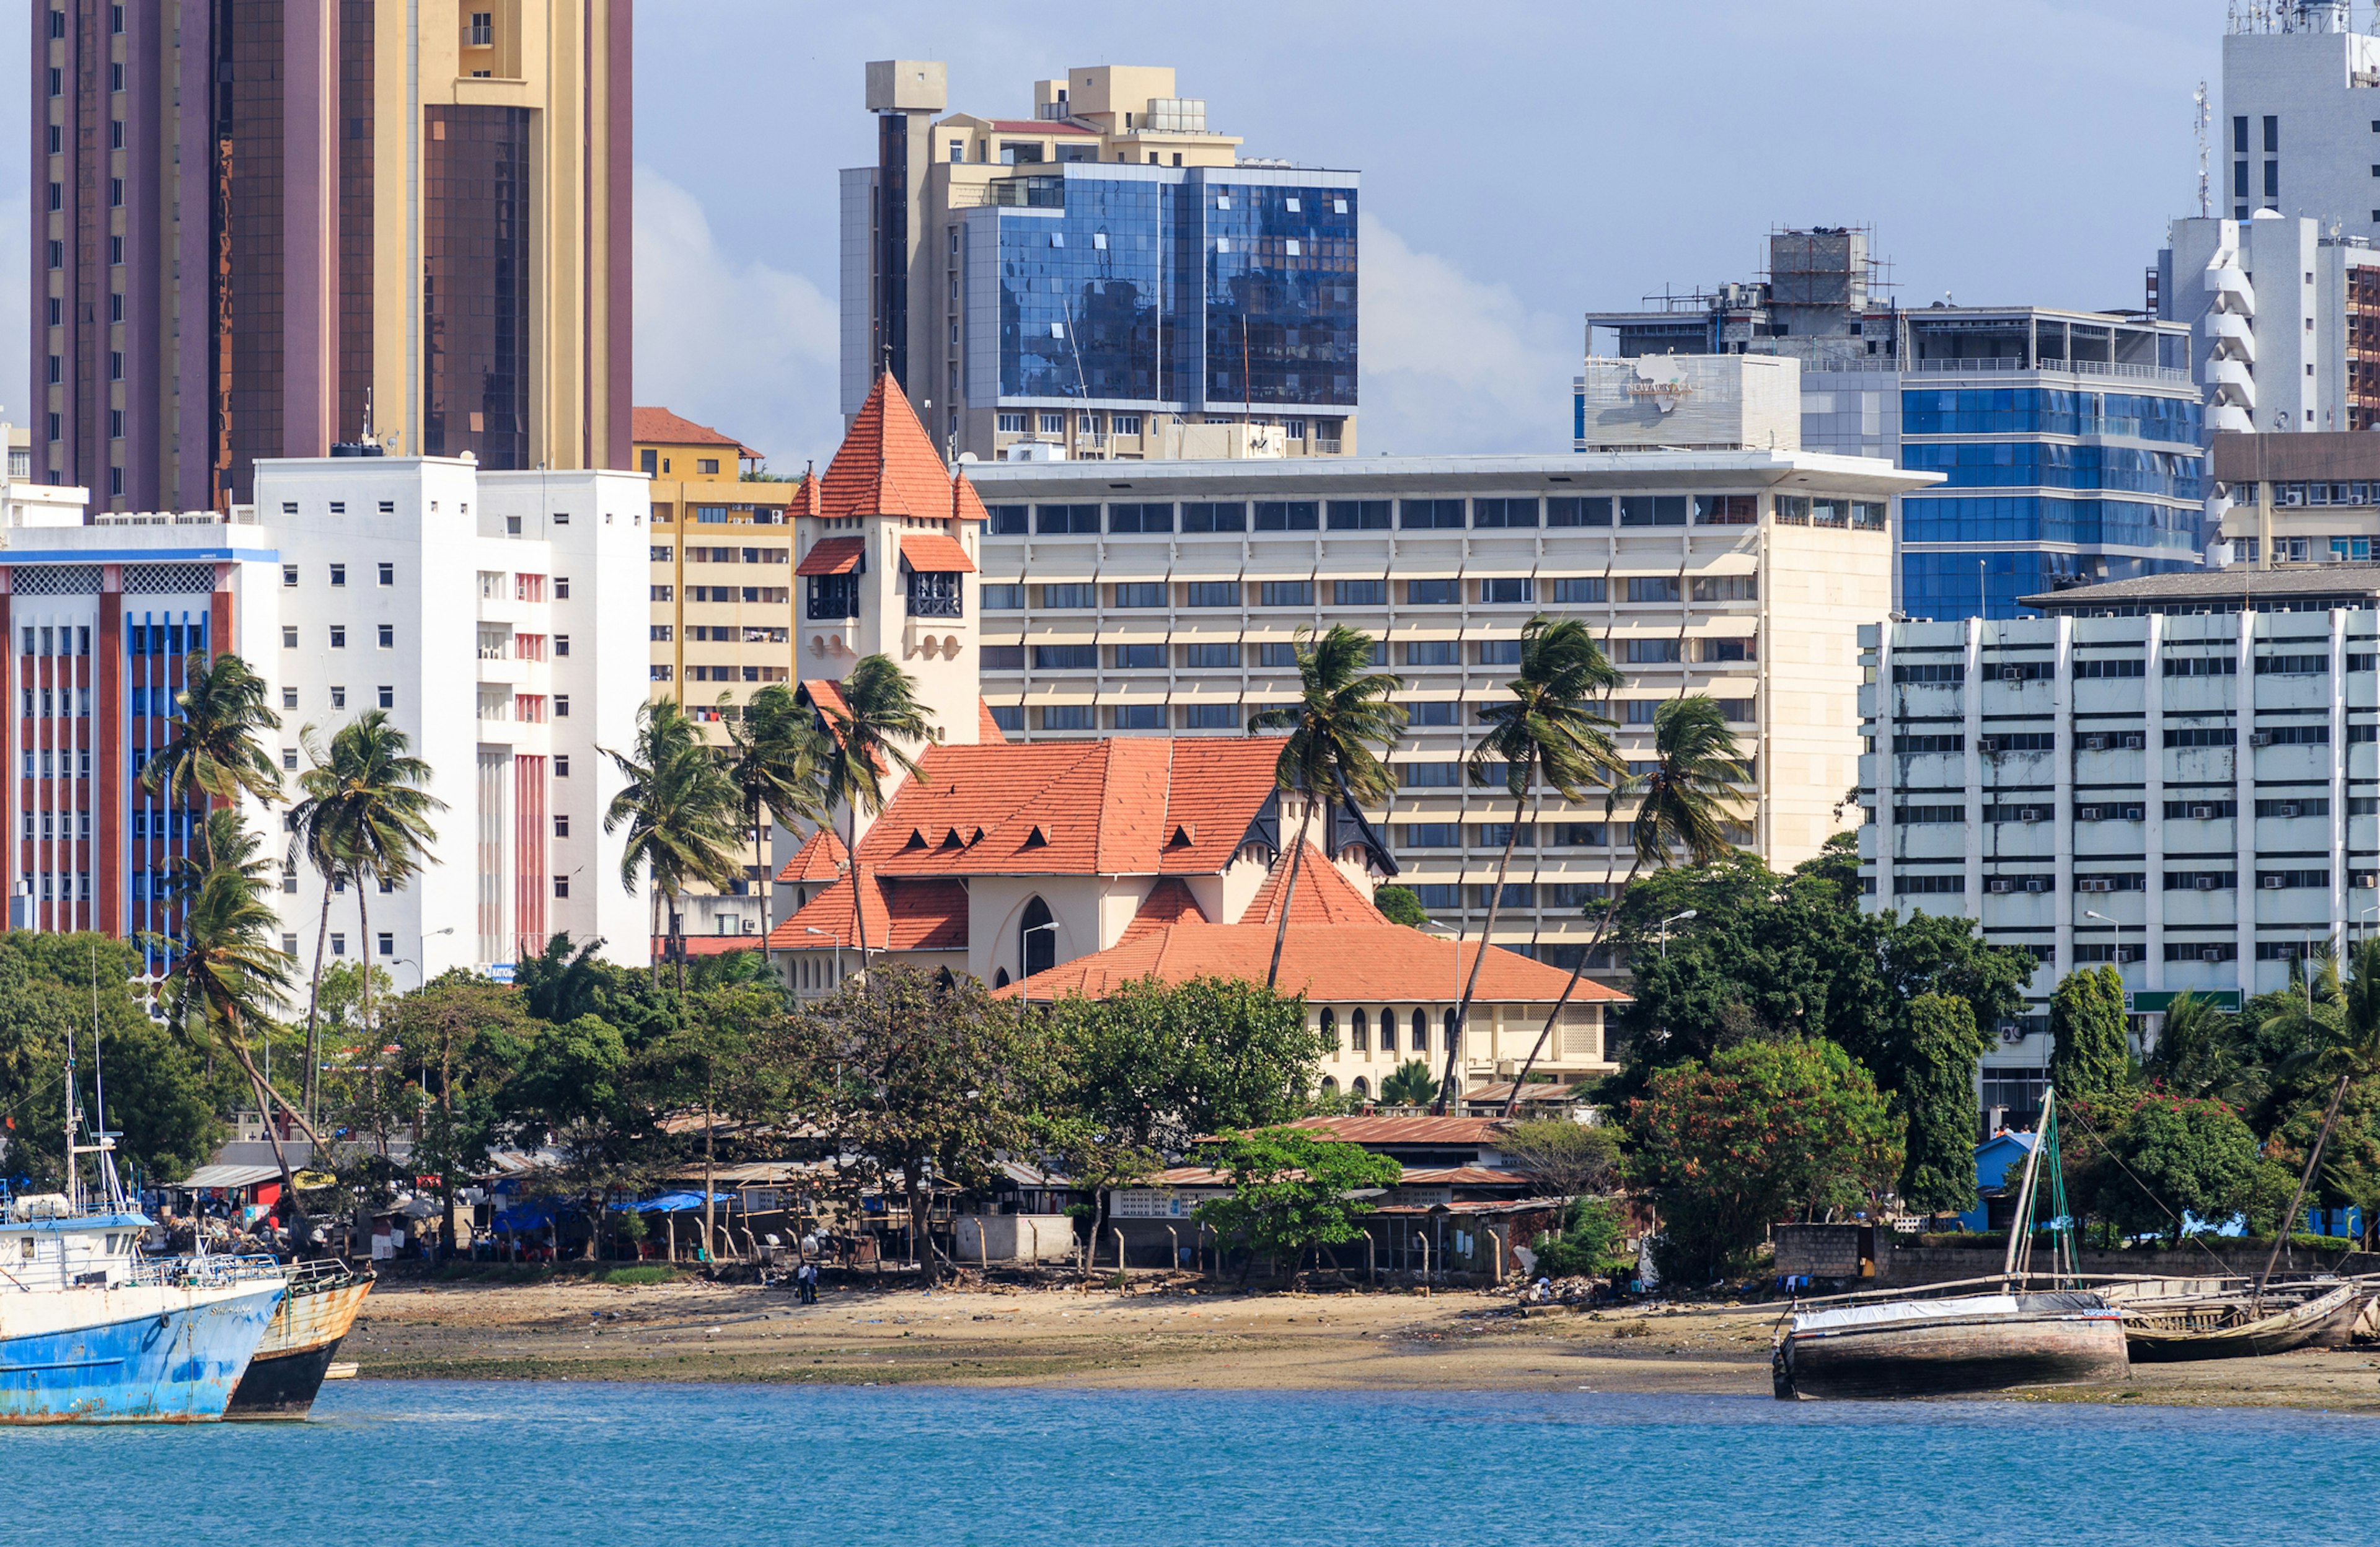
(1904, 1310)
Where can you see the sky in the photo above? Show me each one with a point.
(1522, 164)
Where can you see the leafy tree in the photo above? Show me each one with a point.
(1685, 804)
(713, 1061)
(573, 1084)
(1342, 711)
(865, 733)
(1158, 1065)
(1550, 733)
(1291, 1192)
(1768, 1131)
(1591, 1230)
(2179, 1156)
(366, 813)
(774, 760)
(2197, 1052)
(921, 1083)
(467, 1034)
(2343, 1048)
(215, 749)
(679, 809)
(1937, 1100)
(1567, 1158)
(2090, 1060)
(1400, 905)
(1409, 1084)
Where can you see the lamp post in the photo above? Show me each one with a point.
(1673, 918)
(1023, 967)
(835, 935)
(421, 946)
(2361, 929)
(2118, 928)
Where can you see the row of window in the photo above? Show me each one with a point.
(2185, 737)
(1445, 515)
(661, 555)
(723, 674)
(2172, 665)
(1572, 591)
(1440, 712)
(1415, 1032)
(1282, 655)
(1951, 883)
(2105, 811)
(775, 596)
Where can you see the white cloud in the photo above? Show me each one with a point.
(1450, 364)
(745, 347)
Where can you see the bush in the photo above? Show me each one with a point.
(1592, 1231)
(648, 1272)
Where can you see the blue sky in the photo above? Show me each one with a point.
(1521, 163)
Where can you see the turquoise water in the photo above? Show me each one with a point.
(463, 1464)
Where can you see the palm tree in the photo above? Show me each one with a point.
(774, 762)
(1684, 802)
(225, 979)
(366, 818)
(1550, 731)
(1341, 713)
(2343, 1047)
(879, 711)
(679, 808)
(313, 832)
(214, 754)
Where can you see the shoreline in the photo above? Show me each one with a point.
(693, 1331)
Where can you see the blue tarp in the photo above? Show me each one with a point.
(534, 1213)
(675, 1202)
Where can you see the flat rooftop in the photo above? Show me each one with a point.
(2297, 588)
(1538, 472)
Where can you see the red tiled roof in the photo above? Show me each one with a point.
(1466, 1176)
(1133, 806)
(1169, 902)
(1324, 895)
(1406, 1130)
(707, 944)
(820, 858)
(1329, 963)
(1036, 125)
(886, 466)
(986, 729)
(804, 500)
(833, 555)
(933, 553)
(661, 427)
(902, 914)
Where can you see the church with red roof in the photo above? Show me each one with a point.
(1074, 866)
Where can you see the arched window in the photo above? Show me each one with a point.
(1388, 1030)
(1360, 1032)
(1360, 1090)
(1420, 1032)
(999, 979)
(1036, 943)
(1452, 1044)
(1330, 1031)
(1330, 1086)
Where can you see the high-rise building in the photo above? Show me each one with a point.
(258, 224)
(462, 601)
(2287, 319)
(1104, 279)
(2295, 133)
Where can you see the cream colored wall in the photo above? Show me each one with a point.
(1498, 1034)
(1817, 584)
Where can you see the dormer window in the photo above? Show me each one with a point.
(834, 596)
(933, 594)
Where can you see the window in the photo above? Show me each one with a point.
(1065, 657)
(1503, 513)
(1359, 593)
(1424, 515)
(1922, 884)
(1282, 655)
(1717, 650)
(1579, 590)
(1727, 588)
(1214, 517)
(1004, 658)
(1210, 716)
(2209, 735)
(288, 636)
(289, 698)
(2202, 666)
(1357, 516)
(1287, 593)
(665, 593)
(2304, 806)
(338, 573)
(1429, 835)
(1286, 515)
(1430, 653)
(1140, 716)
(1210, 657)
(561, 766)
(1007, 520)
(561, 886)
(1652, 588)
(1065, 716)
(338, 698)
(388, 697)
(2293, 736)
(1003, 599)
(338, 637)
(562, 644)
(1071, 596)
(1057, 519)
(561, 706)
(1651, 653)
(1652, 510)
(1912, 746)
(1576, 834)
(2102, 667)
(1641, 711)
(562, 591)
(1433, 711)
(1140, 518)
(1214, 594)
(2293, 666)
(1508, 589)
(1726, 510)
(1129, 424)
(1431, 593)
(1500, 652)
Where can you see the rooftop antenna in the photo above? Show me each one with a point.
(2202, 120)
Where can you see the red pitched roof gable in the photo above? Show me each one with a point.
(661, 427)
(1169, 902)
(833, 555)
(819, 859)
(986, 729)
(886, 466)
(902, 914)
(933, 553)
(1323, 896)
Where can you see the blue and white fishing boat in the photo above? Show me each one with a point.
(92, 1331)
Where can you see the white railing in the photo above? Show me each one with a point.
(2064, 366)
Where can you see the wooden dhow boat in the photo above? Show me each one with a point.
(2246, 1323)
(290, 1364)
(1964, 1344)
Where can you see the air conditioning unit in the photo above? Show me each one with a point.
(2203, 813)
(2205, 883)
(2260, 739)
(2096, 883)
(2012, 673)
(2012, 1034)
(2032, 813)
(2212, 953)
(2001, 886)
(2272, 884)
(2036, 885)
(2128, 953)
(2135, 813)
(2095, 743)
(1987, 743)
(2087, 813)
(2135, 741)
(2289, 809)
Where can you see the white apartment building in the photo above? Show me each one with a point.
(1167, 597)
(2285, 323)
(2295, 133)
(466, 604)
(2177, 775)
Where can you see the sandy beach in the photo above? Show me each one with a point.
(1166, 1339)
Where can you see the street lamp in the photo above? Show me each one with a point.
(421, 943)
(1024, 965)
(2118, 928)
(835, 935)
(1673, 918)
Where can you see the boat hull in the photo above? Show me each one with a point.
(1950, 1357)
(288, 1372)
(2325, 1321)
(133, 1354)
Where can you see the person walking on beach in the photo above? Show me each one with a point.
(806, 1284)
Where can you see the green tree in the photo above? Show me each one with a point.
(714, 1060)
(679, 809)
(1686, 803)
(2090, 1060)
(467, 1035)
(1411, 1083)
(1566, 1158)
(367, 812)
(2197, 1050)
(876, 713)
(573, 1085)
(1158, 1065)
(774, 760)
(1550, 733)
(1937, 1100)
(1400, 905)
(1291, 1192)
(1592, 1231)
(1342, 711)
(2342, 1049)
(214, 753)
(2179, 1156)
(1767, 1131)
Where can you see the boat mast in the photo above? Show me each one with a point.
(2019, 1260)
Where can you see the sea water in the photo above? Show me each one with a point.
(461, 1464)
